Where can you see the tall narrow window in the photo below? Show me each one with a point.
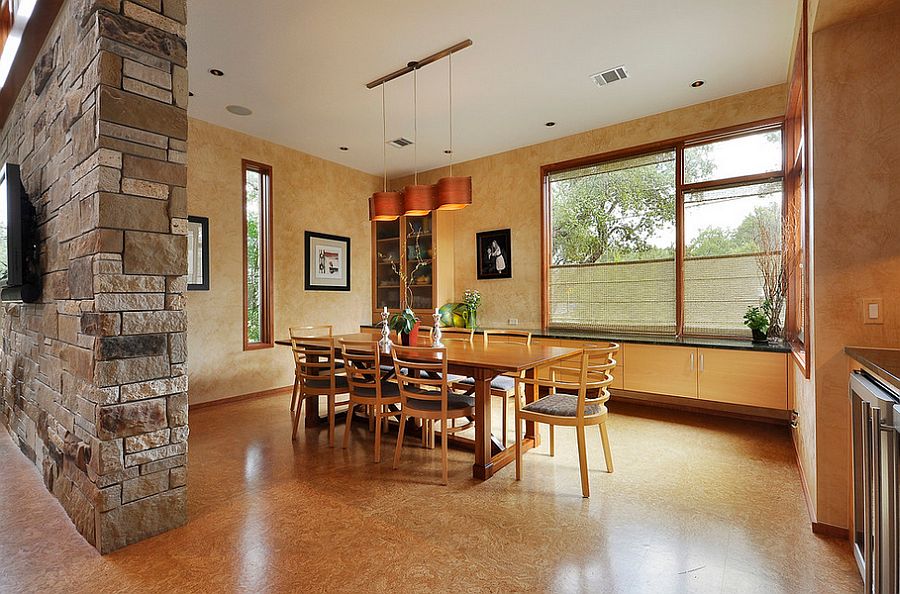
(257, 255)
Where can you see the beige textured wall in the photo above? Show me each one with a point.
(856, 147)
(507, 193)
(308, 193)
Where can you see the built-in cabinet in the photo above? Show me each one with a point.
(412, 264)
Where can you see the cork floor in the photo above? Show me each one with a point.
(697, 504)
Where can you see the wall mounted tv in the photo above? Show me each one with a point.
(19, 273)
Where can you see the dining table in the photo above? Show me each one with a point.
(482, 363)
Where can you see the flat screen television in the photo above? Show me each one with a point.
(19, 273)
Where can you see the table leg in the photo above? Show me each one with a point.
(311, 417)
(531, 430)
(483, 467)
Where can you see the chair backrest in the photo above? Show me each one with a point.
(600, 355)
(522, 337)
(362, 359)
(588, 381)
(458, 334)
(311, 331)
(314, 357)
(421, 373)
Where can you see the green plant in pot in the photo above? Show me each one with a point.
(757, 320)
(406, 325)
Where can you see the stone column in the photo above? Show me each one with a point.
(94, 377)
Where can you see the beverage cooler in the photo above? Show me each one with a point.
(876, 442)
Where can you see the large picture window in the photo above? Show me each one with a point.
(257, 255)
(667, 240)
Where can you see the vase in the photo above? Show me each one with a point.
(411, 339)
(472, 318)
(759, 336)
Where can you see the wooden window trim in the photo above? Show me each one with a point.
(267, 330)
(677, 145)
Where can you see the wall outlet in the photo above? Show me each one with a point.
(513, 321)
(873, 311)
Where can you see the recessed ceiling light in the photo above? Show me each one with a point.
(239, 110)
(344, 148)
(216, 72)
(550, 124)
(698, 83)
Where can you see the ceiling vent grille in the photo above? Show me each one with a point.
(400, 142)
(609, 76)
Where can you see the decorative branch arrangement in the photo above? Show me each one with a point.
(396, 267)
(777, 263)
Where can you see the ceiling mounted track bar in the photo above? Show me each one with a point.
(415, 65)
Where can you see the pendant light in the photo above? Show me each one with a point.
(453, 192)
(384, 205)
(418, 200)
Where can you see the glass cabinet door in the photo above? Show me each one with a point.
(419, 261)
(387, 265)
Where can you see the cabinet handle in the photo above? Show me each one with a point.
(692, 361)
(701, 362)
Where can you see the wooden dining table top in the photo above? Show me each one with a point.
(499, 356)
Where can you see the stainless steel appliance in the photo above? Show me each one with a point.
(876, 443)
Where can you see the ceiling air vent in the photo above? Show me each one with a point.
(609, 76)
(400, 142)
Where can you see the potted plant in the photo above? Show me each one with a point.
(472, 299)
(406, 325)
(757, 320)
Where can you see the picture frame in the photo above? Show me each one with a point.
(326, 262)
(493, 254)
(198, 253)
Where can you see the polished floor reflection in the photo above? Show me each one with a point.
(697, 504)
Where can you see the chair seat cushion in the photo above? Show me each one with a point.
(560, 405)
(501, 382)
(454, 402)
(451, 377)
(340, 381)
(388, 390)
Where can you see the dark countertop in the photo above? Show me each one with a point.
(713, 343)
(885, 363)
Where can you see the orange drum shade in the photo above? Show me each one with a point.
(418, 200)
(385, 206)
(453, 193)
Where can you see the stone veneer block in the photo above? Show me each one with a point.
(142, 519)
(147, 39)
(155, 253)
(126, 347)
(153, 322)
(136, 111)
(173, 174)
(133, 418)
(126, 371)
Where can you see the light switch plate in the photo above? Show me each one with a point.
(873, 311)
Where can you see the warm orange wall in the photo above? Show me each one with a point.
(308, 193)
(507, 193)
(856, 169)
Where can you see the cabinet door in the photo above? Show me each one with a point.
(744, 377)
(661, 370)
(386, 264)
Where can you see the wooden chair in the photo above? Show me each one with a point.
(425, 394)
(502, 386)
(304, 332)
(317, 370)
(571, 404)
(368, 386)
(599, 355)
(453, 334)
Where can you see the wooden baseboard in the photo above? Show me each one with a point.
(829, 530)
(232, 399)
(694, 405)
(810, 506)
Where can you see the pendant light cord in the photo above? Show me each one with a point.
(416, 125)
(450, 93)
(383, 137)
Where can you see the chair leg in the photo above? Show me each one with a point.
(331, 420)
(552, 442)
(300, 401)
(378, 425)
(294, 393)
(604, 437)
(582, 462)
(518, 429)
(444, 441)
(399, 441)
(370, 410)
(350, 408)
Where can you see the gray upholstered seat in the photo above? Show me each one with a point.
(454, 402)
(560, 405)
(388, 390)
(340, 381)
(501, 382)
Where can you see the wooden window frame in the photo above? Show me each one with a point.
(796, 167)
(266, 325)
(677, 145)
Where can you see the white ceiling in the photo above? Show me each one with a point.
(302, 66)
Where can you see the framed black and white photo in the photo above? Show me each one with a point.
(198, 254)
(494, 250)
(327, 262)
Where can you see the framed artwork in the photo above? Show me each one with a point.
(198, 254)
(327, 262)
(494, 249)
